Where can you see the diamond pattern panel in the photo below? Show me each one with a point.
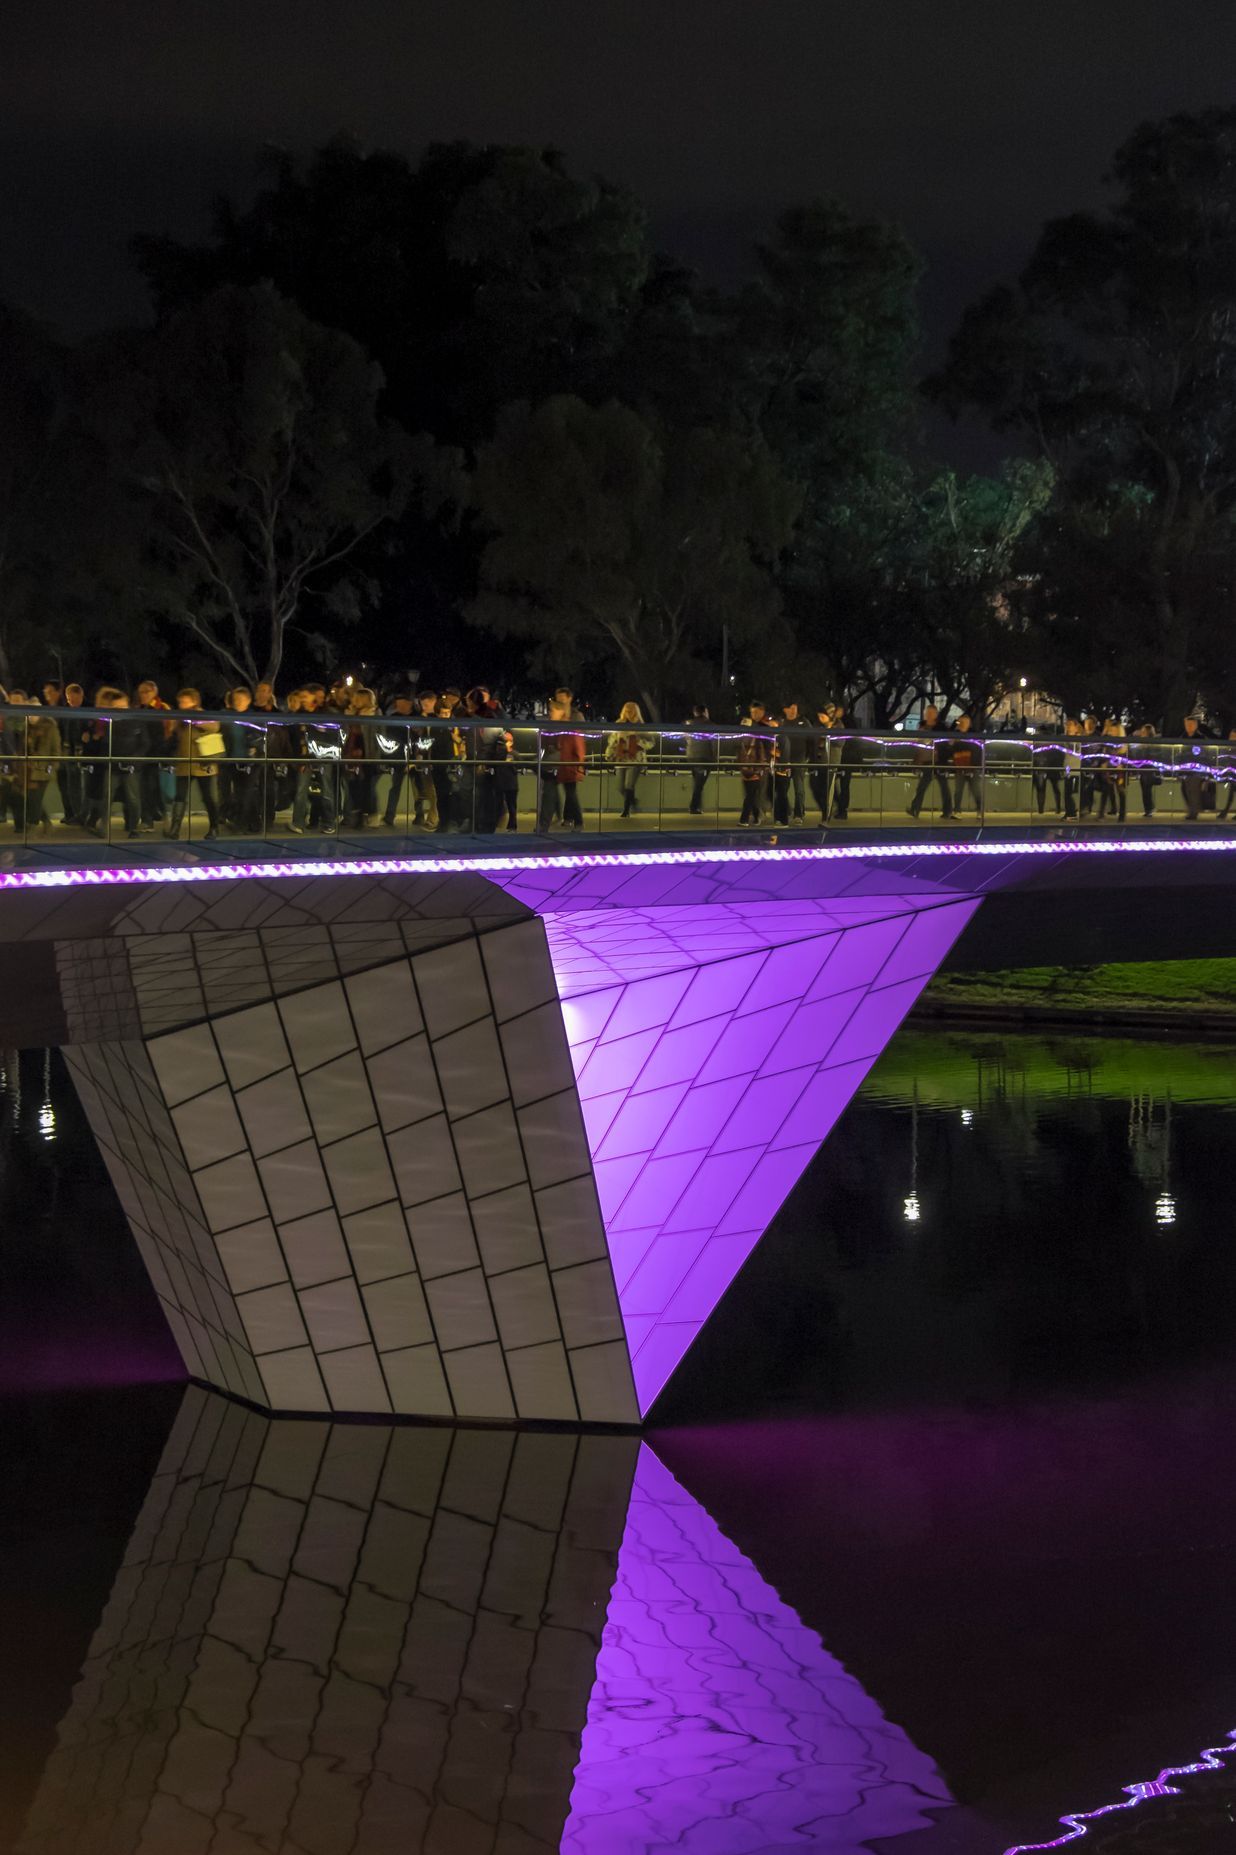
(197, 1284)
(363, 1163)
(714, 1046)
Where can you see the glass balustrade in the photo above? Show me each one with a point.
(120, 777)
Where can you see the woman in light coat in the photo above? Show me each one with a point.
(629, 753)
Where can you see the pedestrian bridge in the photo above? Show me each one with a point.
(438, 1129)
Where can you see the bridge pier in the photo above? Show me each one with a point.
(464, 1145)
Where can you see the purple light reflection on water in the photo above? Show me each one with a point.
(43, 1356)
(718, 1722)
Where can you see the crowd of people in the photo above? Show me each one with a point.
(325, 758)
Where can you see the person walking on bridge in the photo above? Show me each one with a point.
(966, 755)
(562, 770)
(794, 735)
(627, 748)
(1149, 776)
(1194, 764)
(152, 742)
(824, 753)
(39, 769)
(1113, 779)
(701, 754)
(932, 757)
(198, 746)
(757, 752)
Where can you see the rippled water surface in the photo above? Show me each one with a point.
(930, 1543)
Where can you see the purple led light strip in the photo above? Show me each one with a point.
(1077, 1825)
(625, 859)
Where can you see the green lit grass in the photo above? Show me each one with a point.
(1201, 986)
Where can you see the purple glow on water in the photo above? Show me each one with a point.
(718, 1723)
(710, 1064)
(1077, 1825)
(44, 1357)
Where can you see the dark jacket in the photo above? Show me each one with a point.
(245, 740)
(757, 749)
(796, 739)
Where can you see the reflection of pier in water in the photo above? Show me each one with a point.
(373, 1639)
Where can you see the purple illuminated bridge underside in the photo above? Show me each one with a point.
(340, 1240)
(719, 1020)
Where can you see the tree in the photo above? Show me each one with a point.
(828, 330)
(972, 530)
(250, 440)
(824, 342)
(850, 586)
(1115, 359)
(645, 541)
(474, 276)
(478, 276)
(35, 414)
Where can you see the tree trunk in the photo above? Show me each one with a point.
(1173, 632)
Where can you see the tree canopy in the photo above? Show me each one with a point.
(643, 541)
(462, 397)
(250, 442)
(1114, 358)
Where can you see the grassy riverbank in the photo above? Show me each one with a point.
(1199, 994)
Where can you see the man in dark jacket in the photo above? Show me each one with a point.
(932, 756)
(395, 750)
(701, 754)
(794, 737)
(849, 759)
(322, 743)
(150, 747)
(246, 752)
(72, 775)
(1195, 760)
(966, 755)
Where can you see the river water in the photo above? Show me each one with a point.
(928, 1546)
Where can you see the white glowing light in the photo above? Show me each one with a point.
(47, 1121)
(912, 1210)
(967, 1117)
(1165, 1209)
(130, 874)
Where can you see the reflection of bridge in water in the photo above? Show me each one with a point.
(329, 1637)
(488, 1136)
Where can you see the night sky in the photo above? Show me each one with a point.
(967, 122)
